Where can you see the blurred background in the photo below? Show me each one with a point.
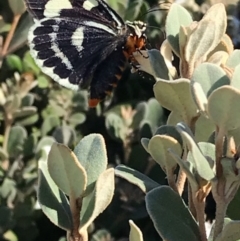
(35, 112)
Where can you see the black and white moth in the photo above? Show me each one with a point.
(83, 43)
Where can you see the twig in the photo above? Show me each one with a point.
(191, 205)
(218, 187)
(200, 209)
(171, 179)
(75, 206)
(219, 151)
(10, 35)
(182, 175)
(181, 181)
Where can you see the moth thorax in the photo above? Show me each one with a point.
(137, 28)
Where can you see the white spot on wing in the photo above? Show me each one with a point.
(58, 52)
(77, 38)
(47, 70)
(100, 26)
(54, 7)
(89, 4)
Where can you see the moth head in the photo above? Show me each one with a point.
(137, 28)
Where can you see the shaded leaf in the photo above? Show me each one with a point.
(159, 203)
(137, 178)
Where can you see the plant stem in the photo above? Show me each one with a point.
(75, 206)
(191, 205)
(181, 181)
(171, 180)
(10, 34)
(200, 209)
(181, 174)
(221, 208)
(219, 151)
(218, 187)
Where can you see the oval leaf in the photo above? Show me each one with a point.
(178, 223)
(223, 107)
(52, 200)
(66, 171)
(91, 153)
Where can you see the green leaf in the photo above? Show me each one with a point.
(13, 103)
(14, 62)
(155, 114)
(145, 183)
(27, 121)
(135, 232)
(53, 202)
(158, 148)
(99, 199)
(27, 100)
(54, 109)
(154, 65)
(66, 171)
(207, 35)
(10, 235)
(65, 135)
(43, 81)
(133, 9)
(234, 59)
(77, 119)
(188, 168)
(235, 78)
(119, 6)
(197, 158)
(171, 131)
(210, 77)
(43, 148)
(177, 16)
(49, 123)
(91, 153)
(8, 191)
(25, 111)
(3, 154)
(3, 26)
(176, 96)
(222, 107)
(145, 142)
(206, 124)
(17, 6)
(116, 127)
(140, 115)
(178, 224)
(29, 145)
(29, 64)
(100, 234)
(16, 140)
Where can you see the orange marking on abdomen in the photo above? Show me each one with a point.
(118, 76)
(93, 102)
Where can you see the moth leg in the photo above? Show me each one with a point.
(140, 52)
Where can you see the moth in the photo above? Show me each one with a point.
(83, 43)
